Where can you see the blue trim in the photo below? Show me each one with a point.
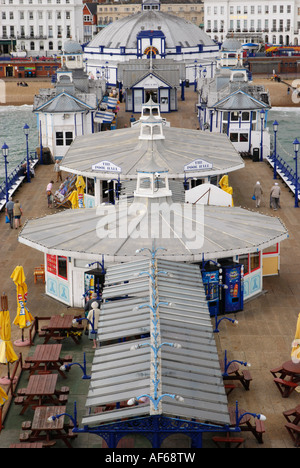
(92, 117)
(75, 125)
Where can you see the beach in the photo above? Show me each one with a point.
(18, 95)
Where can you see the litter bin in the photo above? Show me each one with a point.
(255, 154)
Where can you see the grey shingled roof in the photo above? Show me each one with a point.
(192, 371)
(88, 233)
(179, 148)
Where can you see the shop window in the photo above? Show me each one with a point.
(90, 186)
(234, 137)
(244, 260)
(273, 249)
(245, 116)
(234, 117)
(254, 261)
(244, 137)
(62, 267)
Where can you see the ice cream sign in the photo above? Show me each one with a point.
(106, 166)
(198, 165)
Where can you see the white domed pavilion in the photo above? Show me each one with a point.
(149, 33)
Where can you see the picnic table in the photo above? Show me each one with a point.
(48, 432)
(289, 378)
(233, 372)
(245, 424)
(46, 358)
(30, 445)
(60, 328)
(41, 390)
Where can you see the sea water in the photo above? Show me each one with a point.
(12, 121)
(288, 119)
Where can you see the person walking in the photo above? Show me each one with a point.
(58, 171)
(17, 214)
(10, 211)
(258, 193)
(275, 196)
(50, 194)
(93, 317)
(88, 307)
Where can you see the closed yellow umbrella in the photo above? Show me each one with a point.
(3, 397)
(295, 354)
(23, 318)
(73, 198)
(224, 184)
(80, 185)
(7, 353)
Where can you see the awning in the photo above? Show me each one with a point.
(124, 370)
(104, 117)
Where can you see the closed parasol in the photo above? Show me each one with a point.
(73, 198)
(80, 185)
(7, 353)
(23, 318)
(295, 354)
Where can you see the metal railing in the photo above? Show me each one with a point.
(17, 172)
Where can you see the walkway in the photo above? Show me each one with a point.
(266, 326)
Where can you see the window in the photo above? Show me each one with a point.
(244, 260)
(254, 261)
(234, 137)
(59, 135)
(69, 138)
(244, 137)
(64, 138)
(62, 267)
(234, 117)
(245, 116)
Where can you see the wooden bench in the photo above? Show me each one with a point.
(247, 377)
(229, 387)
(65, 390)
(68, 358)
(294, 432)
(285, 386)
(26, 366)
(260, 430)
(63, 398)
(228, 441)
(19, 400)
(26, 425)
(24, 436)
(21, 392)
(277, 370)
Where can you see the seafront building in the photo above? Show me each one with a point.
(39, 27)
(276, 22)
(69, 109)
(231, 103)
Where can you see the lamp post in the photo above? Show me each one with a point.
(228, 363)
(296, 149)
(66, 367)
(262, 118)
(26, 131)
(239, 417)
(275, 128)
(5, 154)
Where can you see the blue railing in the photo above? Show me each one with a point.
(284, 169)
(15, 175)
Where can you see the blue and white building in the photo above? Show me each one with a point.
(230, 103)
(68, 110)
(148, 35)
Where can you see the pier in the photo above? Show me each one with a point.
(266, 326)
